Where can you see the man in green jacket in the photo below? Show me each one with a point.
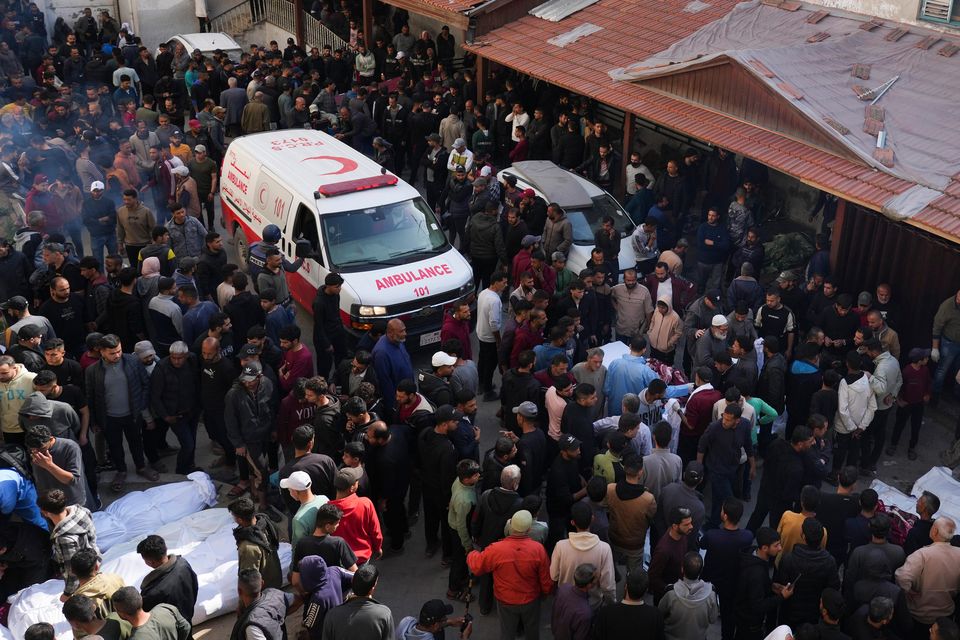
(463, 499)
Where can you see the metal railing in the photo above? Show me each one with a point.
(317, 34)
(239, 18)
(282, 13)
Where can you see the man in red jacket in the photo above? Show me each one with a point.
(359, 525)
(456, 324)
(521, 575)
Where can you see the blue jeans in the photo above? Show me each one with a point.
(102, 246)
(74, 229)
(949, 350)
(721, 488)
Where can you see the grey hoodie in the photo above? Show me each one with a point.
(689, 609)
(59, 416)
(407, 630)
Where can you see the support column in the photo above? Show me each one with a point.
(628, 124)
(837, 232)
(368, 23)
(298, 22)
(481, 78)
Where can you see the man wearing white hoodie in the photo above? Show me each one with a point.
(691, 606)
(583, 547)
(857, 405)
(885, 383)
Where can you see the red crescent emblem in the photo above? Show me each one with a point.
(261, 194)
(346, 164)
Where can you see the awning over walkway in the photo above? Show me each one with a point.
(801, 143)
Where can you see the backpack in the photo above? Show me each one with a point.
(15, 456)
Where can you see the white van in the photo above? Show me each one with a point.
(207, 43)
(585, 204)
(361, 221)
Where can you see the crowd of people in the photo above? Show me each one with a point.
(125, 321)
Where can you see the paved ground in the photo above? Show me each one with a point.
(410, 579)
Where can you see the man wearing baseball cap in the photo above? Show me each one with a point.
(248, 415)
(359, 526)
(27, 350)
(565, 486)
(532, 446)
(435, 384)
(100, 218)
(299, 485)
(434, 616)
(17, 308)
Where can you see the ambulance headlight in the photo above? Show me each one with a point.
(372, 311)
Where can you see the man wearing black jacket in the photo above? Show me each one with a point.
(782, 478)
(519, 386)
(809, 570)
(565, 486)
(329, 335)
(389, 466)
(171, 581)
(438, 470)
(216, 377)
(578, 421)
(244, 308)
(757, 598)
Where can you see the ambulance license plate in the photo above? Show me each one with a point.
(429, 338)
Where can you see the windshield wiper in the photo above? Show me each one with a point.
(360, 263)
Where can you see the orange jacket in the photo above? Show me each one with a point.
(520, 568)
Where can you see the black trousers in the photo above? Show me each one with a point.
(217, 430)
(914, 413)
(459, 573)
(482, 270)
(874, 439)
(115, 430)
(434, 517)
(133, 252)
(486, 364)
(395, 521)
(728, 611)
(846, 450)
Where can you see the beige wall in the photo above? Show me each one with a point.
(897, 10)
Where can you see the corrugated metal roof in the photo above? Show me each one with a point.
(557, 10)
(582, 67)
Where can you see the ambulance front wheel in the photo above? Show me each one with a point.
(243, 248)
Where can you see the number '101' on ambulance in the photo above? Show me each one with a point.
(369, 226)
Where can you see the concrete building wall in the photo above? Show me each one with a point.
(420, 23)
(263, 33)
(152, 20)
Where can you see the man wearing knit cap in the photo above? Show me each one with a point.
(521, 575)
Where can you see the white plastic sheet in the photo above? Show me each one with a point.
(893, 497)
(143, 512)
(940, 482)
(204, 539)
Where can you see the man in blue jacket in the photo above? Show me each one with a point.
(713, 245)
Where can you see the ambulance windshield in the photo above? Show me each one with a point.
(395, 233)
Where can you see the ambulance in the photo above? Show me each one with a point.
(360, 221)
